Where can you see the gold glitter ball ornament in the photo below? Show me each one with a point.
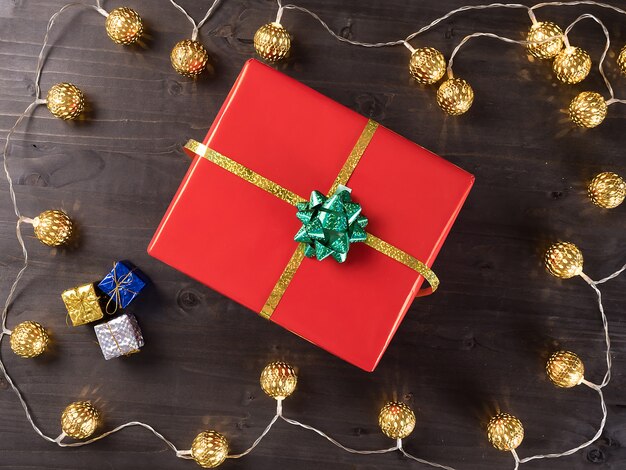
(272, 42)
(607, 190)
(80, 420)
(572, 65)
(455, 96)
(53, 227)
(29, 339)
(396, 420)
(588, 109)
(124, 26)
(505, 432)
(278, 380)
(621, 60)
(189, 58)
(427, 65)
(65, 101)
(565, 369)
(564, 260)
(539, 43)
(209, 449)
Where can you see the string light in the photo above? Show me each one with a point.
(396, 420)
(572, 65)
(427, 65)
(545, 40)
(278, 380)
(209, 449)
(52, 227)
(189, 57)
(565, 369)
(124, 26)
(272, 42)
(80, 420)
(588, 109)
(65, 101)
(607, 190)
(621, 60)
(455, 96)
(505, 432)
(29, 339)
(564, 260)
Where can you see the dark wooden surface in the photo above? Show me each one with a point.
(476, 346)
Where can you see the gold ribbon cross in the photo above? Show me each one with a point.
(285, 195)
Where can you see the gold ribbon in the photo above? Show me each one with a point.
(132, 351)
(114, 338)
(115, 293)
(285, 195)
(82, 304)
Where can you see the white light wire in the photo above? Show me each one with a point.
(605, 323)
(293, 422)
(597, 388)
(604, 52)
(53, 18)
(425, 462)
(477, 35)
(196, 26)
(584, 444)
(530, 11)
(185, 454)
(22, 219)
(578, 2)
(435, 22)
(612, 98)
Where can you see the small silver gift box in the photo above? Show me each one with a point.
(119, 337)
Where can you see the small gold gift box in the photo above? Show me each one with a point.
(82, 304)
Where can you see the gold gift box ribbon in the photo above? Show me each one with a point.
(285, 195)
(119, 348)
(82, 304)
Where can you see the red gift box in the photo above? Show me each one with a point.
(237, 238)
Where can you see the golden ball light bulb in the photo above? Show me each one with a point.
(80, 420)
(396, 420)
(189, 58)
(621, 60)
(565, 369)
(564, 260)
(505, 432)
(588, 109)
(607, 190)
(124, 26)
(540, 44)
(53, 227)
(278, 380)
(427, 65)
(272, 42)
(455, 96)
(29, 339)
(209, 449)
(572, 65)
(65, 101)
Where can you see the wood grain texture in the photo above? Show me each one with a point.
(479, 344)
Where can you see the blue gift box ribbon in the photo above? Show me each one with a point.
(121, 285)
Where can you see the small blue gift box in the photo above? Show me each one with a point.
(122, 285)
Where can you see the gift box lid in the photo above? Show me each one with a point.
(237, 239)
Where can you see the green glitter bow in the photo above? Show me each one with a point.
(330, 224)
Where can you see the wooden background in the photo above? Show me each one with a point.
(476, 346)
